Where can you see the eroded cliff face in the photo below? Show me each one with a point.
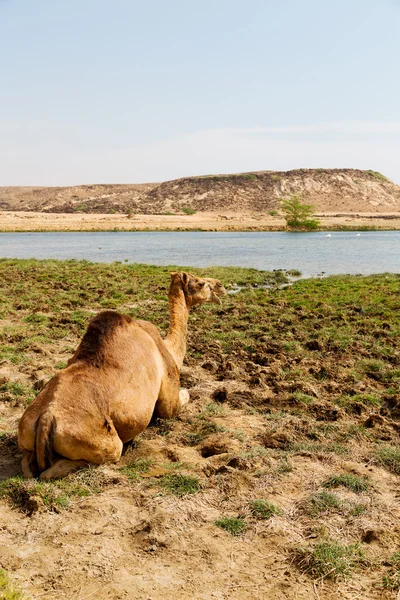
(329, 190)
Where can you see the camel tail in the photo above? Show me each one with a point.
(44, 441)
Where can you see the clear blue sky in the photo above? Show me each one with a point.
(148, 90)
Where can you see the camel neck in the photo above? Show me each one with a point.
(176, 338)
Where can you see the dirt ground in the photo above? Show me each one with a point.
(203, 221)
(297, 400)
(133, 542)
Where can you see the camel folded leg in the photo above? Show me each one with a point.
(78, 448)
(171, 399)
(62, 468)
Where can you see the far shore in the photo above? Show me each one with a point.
(12, 221)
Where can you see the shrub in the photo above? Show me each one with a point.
(188, 210)
(298, 215)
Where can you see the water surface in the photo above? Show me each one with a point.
(311, 253)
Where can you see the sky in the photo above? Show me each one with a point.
(131, 91)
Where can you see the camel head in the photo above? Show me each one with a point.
(197, 290)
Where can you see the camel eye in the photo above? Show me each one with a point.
(202, 284)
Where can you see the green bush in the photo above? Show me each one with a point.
(188, 210)
(299, 215)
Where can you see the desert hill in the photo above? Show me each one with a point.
(329, 190)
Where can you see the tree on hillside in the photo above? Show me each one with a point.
(297, 214)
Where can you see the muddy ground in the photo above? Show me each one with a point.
(292, 391)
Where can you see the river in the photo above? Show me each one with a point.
(311, 253)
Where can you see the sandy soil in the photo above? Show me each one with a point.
(206, 221)
(129, 543)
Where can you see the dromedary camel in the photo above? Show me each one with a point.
(122, 373)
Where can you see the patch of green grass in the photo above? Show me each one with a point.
(233, 525)
(329, 560)
(53, 494)
(321, 503)
(391, 579)
(12, 354)
(180, 485)
(367, 399)
(284, 466)
(206, 427)
(302, 398)
(372, 365)
(14, 387)
(352, 482)
(7, 590)
(262, 509)
(389, 457)
(193, 439)
(256, 452)
(356, 510)
(16, 390)
(60, 365)
(138, 466)
(36, 318)
(214, 409)
(319, 448)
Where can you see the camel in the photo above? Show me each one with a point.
(121, 374)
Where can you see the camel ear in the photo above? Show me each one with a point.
(175, 276)
(185, 279)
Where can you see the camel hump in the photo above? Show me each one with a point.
(44, 440)
(101, 329)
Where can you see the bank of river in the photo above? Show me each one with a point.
(312, 253)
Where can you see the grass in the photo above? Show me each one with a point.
(54, 495)
(329, 560)
(321, 503)
(317, 447)
(180, 485)
(7, 590)
(14, 390)
(391, 579)
(378, 176)
(352, 482)
(389, 457)
(233, 525)
(259, 337)
(214, 409)
(262, 509)
(138, 466)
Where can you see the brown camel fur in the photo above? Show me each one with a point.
(122, 373)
